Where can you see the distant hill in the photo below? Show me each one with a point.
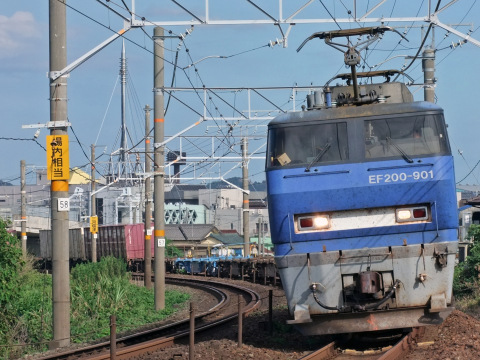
(4, 183)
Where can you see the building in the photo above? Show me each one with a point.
(195, 240)
(120, 204)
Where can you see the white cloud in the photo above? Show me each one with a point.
(18, 34)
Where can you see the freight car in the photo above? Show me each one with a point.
(127, 242)
(122, 241)
(256, 269)
(362, 205)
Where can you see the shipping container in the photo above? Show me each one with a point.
(76, 248)
(121, 241)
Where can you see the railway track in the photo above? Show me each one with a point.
(148, 341)
(171, 341)
(399, 350)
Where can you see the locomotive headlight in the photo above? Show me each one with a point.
(403, 214)
(312, 222)
(416, 213)
(321, 222)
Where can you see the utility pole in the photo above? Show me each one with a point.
(93, 207)
(159, 168)
(428, 67)
(260, 235)
(23, 208)
(148, 204)
(59, 185)
(246, 207)
(123, 140)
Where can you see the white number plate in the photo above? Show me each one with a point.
(63, 204)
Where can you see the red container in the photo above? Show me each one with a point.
(121, 241)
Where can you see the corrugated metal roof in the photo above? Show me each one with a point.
(258, 195)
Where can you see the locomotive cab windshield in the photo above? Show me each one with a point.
(307, 145)
(372, 138)
(410, 137)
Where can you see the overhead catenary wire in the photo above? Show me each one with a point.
(226, 134)
(196, 70)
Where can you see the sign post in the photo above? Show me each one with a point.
(94, 225)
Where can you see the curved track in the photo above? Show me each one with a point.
(134, 345)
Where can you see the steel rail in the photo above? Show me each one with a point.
(132, 351)
(326, 352)
(396, 352)
(403, 347)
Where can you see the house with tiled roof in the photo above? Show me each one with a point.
(194, 240)
(231, 240)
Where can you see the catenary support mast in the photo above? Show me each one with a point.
(428, 65)
(23, 209)
(159, 169)
(246, 207)
(148, 203)
(93, 208)
(59, 188)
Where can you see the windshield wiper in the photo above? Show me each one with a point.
(318, 157)
(400, 150)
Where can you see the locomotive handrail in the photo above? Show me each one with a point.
(367, 74)
(328, 35)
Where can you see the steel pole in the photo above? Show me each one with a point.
(148, 203)
(159, 171)
(93, 208)
(246, 207)
(59, 188)
(428, 66)
(23, 209)
(123, 141)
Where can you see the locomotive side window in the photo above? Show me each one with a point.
(407, 137)
(307, 145)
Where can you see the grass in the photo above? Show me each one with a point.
(97, 291)
(469, 303)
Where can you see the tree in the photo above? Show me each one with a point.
(11, 262)
(171, 250)
(467, 274)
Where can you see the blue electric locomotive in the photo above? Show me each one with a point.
(362, 209)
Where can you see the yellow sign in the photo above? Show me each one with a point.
(94, 224)
(58, 163)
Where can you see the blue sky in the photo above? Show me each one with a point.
(93, 88)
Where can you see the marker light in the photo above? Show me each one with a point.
(313, 222)
(417, 213)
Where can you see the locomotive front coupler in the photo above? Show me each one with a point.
(357, 307)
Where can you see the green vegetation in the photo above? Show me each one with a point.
(10, 280)
(466, 281)
(97, 291)
(171, 250)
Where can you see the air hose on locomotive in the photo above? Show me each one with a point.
(356, 307)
